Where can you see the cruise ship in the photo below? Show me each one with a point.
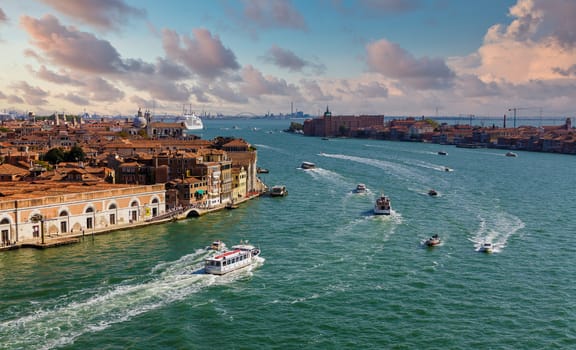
(191, 121)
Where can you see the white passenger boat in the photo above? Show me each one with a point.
(307, 165)
(360, 188)
(486, 247)
(239, 256)
(278, 191)
(382, 205)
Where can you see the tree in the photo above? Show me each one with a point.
(54, 155)
(75, 154)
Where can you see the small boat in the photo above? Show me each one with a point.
(262, 170)
(447, 169)
(232, 205)
(360, 188)
(443, 153)
(432, 193)
(278, 191)
(217, 245)
(382, 205)
(308, 165)
(486, 247)
(240, 256)
(511, 154)
(432, 241)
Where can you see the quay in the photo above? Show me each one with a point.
(57, 240)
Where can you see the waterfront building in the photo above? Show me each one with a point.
(33, 212)
(332, 126)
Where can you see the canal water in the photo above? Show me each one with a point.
(332, 275)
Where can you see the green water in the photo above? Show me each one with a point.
(333, 276)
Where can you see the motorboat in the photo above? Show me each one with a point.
(262, 170)
(238, 257)
(443, 153)
(360, 188)
(486, 247)
(217, 245)
(511, 154)
(432, 193)
(308, 165)
(278, 191)
(447, 169)
(432, 241)
(382, 205)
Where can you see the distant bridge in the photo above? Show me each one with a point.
(246, 114)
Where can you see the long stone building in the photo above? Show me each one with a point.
(33, 212)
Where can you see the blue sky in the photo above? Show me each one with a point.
(391, 57)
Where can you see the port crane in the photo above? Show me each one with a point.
(516, 109)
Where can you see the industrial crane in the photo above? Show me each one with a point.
(516, 109)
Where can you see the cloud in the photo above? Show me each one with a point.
(472, 86)
(103, 14)
(171, 70)
(224, 92)
(15, 99)
(539, 44)
(32, 95)
(3, 17)
(74, 98)
(273, 14)
(381, 7)
(66, 46)
(372, 90)
(284, 58)
(392, 61)
(313, 91)
(98, 89)
(539, 21)
(203, 53)
(255, 84)
(47, 75)
(570, 71)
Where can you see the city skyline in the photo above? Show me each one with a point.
(393, 57)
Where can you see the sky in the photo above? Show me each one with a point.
(253, 57)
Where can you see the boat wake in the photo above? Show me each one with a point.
(327, 175)
(48, 325)
(496, 229)
(395, 169)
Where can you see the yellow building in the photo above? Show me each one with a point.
(32, 212)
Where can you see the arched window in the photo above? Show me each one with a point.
(112, 217)
(89, 218)
(63, 222)
(134, 211)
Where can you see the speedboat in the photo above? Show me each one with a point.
(447, 169)
(240, 256)
(382, 205)
(486, 247)
(442, 153)
(432, 193)
(278, 191)
(360, 188)
(217, 245)
(432, 241)
(511, 154)
(308, 165)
